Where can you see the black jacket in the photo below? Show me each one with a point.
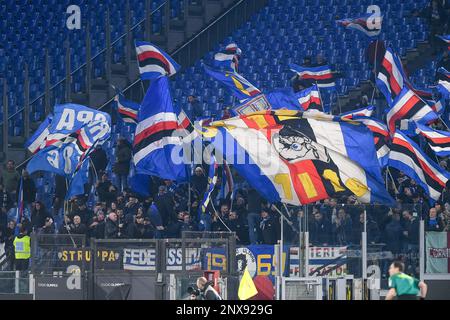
(99, 159)
(111, 229)
(320, 232)
(29, 190)
(38, 218)
(123, 158)
(269, 230)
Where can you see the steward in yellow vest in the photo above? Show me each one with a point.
(22, 250)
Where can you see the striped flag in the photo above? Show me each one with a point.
(407, 156)
(309, 99)
(361, 24)
(438, 140)
(227, 182)
(128, 110)
(391, 78)
(237, 84)
(229, 58)
(154, 62)
(409, 106)
(212, 181)
(322, 75)
(362, 112)
(380, 136)
(154, 139)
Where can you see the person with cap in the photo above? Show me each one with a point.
(22, 250)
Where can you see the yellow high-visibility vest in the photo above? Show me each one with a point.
(22, 247)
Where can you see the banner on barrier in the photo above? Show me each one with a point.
(331, 261)
(437, 252)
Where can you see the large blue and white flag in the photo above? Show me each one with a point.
(368, 24)
(300, 158)
(38, 140)
(154, 62)
(408, 157)
(66, 157)
(69, 118)
(157, 148)
(236, 84)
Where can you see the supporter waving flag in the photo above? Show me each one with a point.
(128, 110)
(406, 156)
(366, 24)
(323, 76)
(380, 136)
(154, 62)
(302, 157)
(438, 140)
(391, 78)
(362, 112)
(408, 105)
(154, 140)
(229, 58)
(237, 84)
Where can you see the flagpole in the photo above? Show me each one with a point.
(375, 72)
(218, 216)
(320, 97)
(393, 181)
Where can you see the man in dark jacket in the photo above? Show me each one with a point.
(122, 165)
(78, 227)
(112, 226)
(195, 106)
(235, 224)
(268, 227)
(29, 189)
(394, 234)
(320, 230)
(82, 211)
(411, 230)
(165, 204)
(99, 159)
(199, 181)
(254, 201)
